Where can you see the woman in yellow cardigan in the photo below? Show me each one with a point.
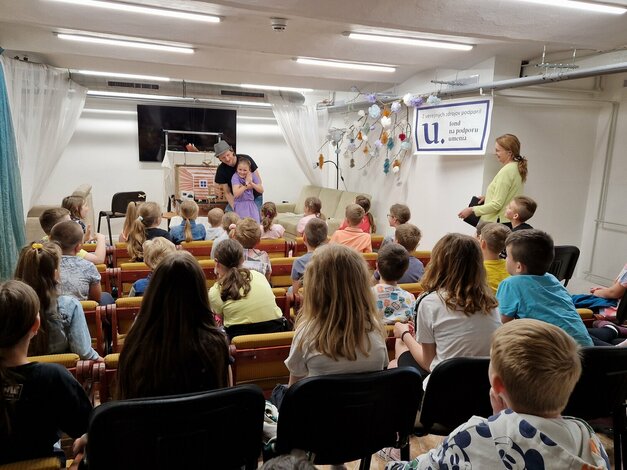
(506, 185)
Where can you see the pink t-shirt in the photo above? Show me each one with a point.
(364, 224)
(300, 228)
(353, 237)
(275, 231)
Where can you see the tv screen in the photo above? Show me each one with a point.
(153, 120)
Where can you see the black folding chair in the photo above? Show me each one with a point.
(564, 262)
(218, 429)
(341, 418)
(601, 392)
(458, 388)
(119, 203)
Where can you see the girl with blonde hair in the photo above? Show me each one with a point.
(248, 233)
(188, 230)
(145, 227)
(506, 185)
(129, 218)
(338, 329)
(457, 315)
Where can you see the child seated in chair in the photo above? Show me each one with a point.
(393, 303)
(51, 217)
(399, 214)
(215, 229)
(519, 211)
(534, 367)
(229, 222)
(37, 400)
(79, 278)
(155, 251)
(408, 236)
(492, 241)
(145, 227)
(313, 206)
(531, 292)
(367, 223)
(314, 236)
(248, 233)
(352, 236)
(270, 230)
(189, 230)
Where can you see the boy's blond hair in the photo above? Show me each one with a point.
(354, 214)
(51, 217)
(538, 363)
(157, 249)
(215, 216)
(494, 236)
(401, 213)
(526, 207)
(248, 232)
(408, 236)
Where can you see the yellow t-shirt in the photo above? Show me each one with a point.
(495, 272)
(258, 306)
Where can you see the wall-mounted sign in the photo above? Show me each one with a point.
(454, 127)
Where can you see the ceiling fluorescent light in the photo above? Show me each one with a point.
(107, 111)
(235, 102)
(347, 65)
(122, 75)
(277, 88)
(135, 96)
(256, 118)
(411, 41)
(138, 44)
(587, 6)
(183, 15)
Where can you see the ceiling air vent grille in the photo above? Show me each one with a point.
(247, 94)
(145, 86)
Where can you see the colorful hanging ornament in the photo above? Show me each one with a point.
(384, 138)
(386, 166)
(390, 143)
(433, 100)
(396, 107)
(374, 111)
(320, 161)
(416, 101)
(364, 137)
(371, 98)
(378, 143)
(386, 122)
(366, 149)
(359, 136)
(402, 137)
(352, 163)
(406, 145)
(386, 112)
(361, 113)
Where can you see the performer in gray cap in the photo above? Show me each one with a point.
(226, 170)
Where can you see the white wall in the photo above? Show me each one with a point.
(104, 152)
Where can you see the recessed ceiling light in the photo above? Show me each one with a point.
(256, 118)
(183, 15)
(410, 41)
(136, 96)
(587, 6)
(122, 75)
(347, 65)
(277, 88)
(136, 43)
(235, 102)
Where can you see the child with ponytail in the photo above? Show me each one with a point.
(268, 228)
(145, 227)
(38, 401)
(131, 215)
(242, 297)
(63, 325)
(188, 230)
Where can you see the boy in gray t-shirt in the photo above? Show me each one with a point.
(315, 235)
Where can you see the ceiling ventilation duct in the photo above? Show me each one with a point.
(183, 89)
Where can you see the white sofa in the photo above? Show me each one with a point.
(334, 202)
(32, 227)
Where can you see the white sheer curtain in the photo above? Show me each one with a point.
(303, 128)
(45, 107)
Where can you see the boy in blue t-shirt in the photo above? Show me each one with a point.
(315, 235)
(531, 292)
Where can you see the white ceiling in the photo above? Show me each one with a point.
(243, 48)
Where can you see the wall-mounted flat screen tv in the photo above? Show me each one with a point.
(153, 120)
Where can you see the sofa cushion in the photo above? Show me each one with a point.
(345, 199)
(307, 191)
(329, 198)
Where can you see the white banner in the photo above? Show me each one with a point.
(454, 127)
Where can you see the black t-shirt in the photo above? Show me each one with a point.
(45, 400)
(224, 173)
(523, 226)
(158, 232)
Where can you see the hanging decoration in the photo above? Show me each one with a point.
(389, 121)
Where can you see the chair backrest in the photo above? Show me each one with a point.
(123, 314)
(603, 383)
(217, 429)
(128, 274)
(120, 255)
(371, 261)
(413, 288)
(276, 248)
(120, 201)
(208, 268)
(564, 262)
(260, 359)
(201, 249)
(93, 316)
(423, 256)
(281, 272)
(458, 388)
(340, 418)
